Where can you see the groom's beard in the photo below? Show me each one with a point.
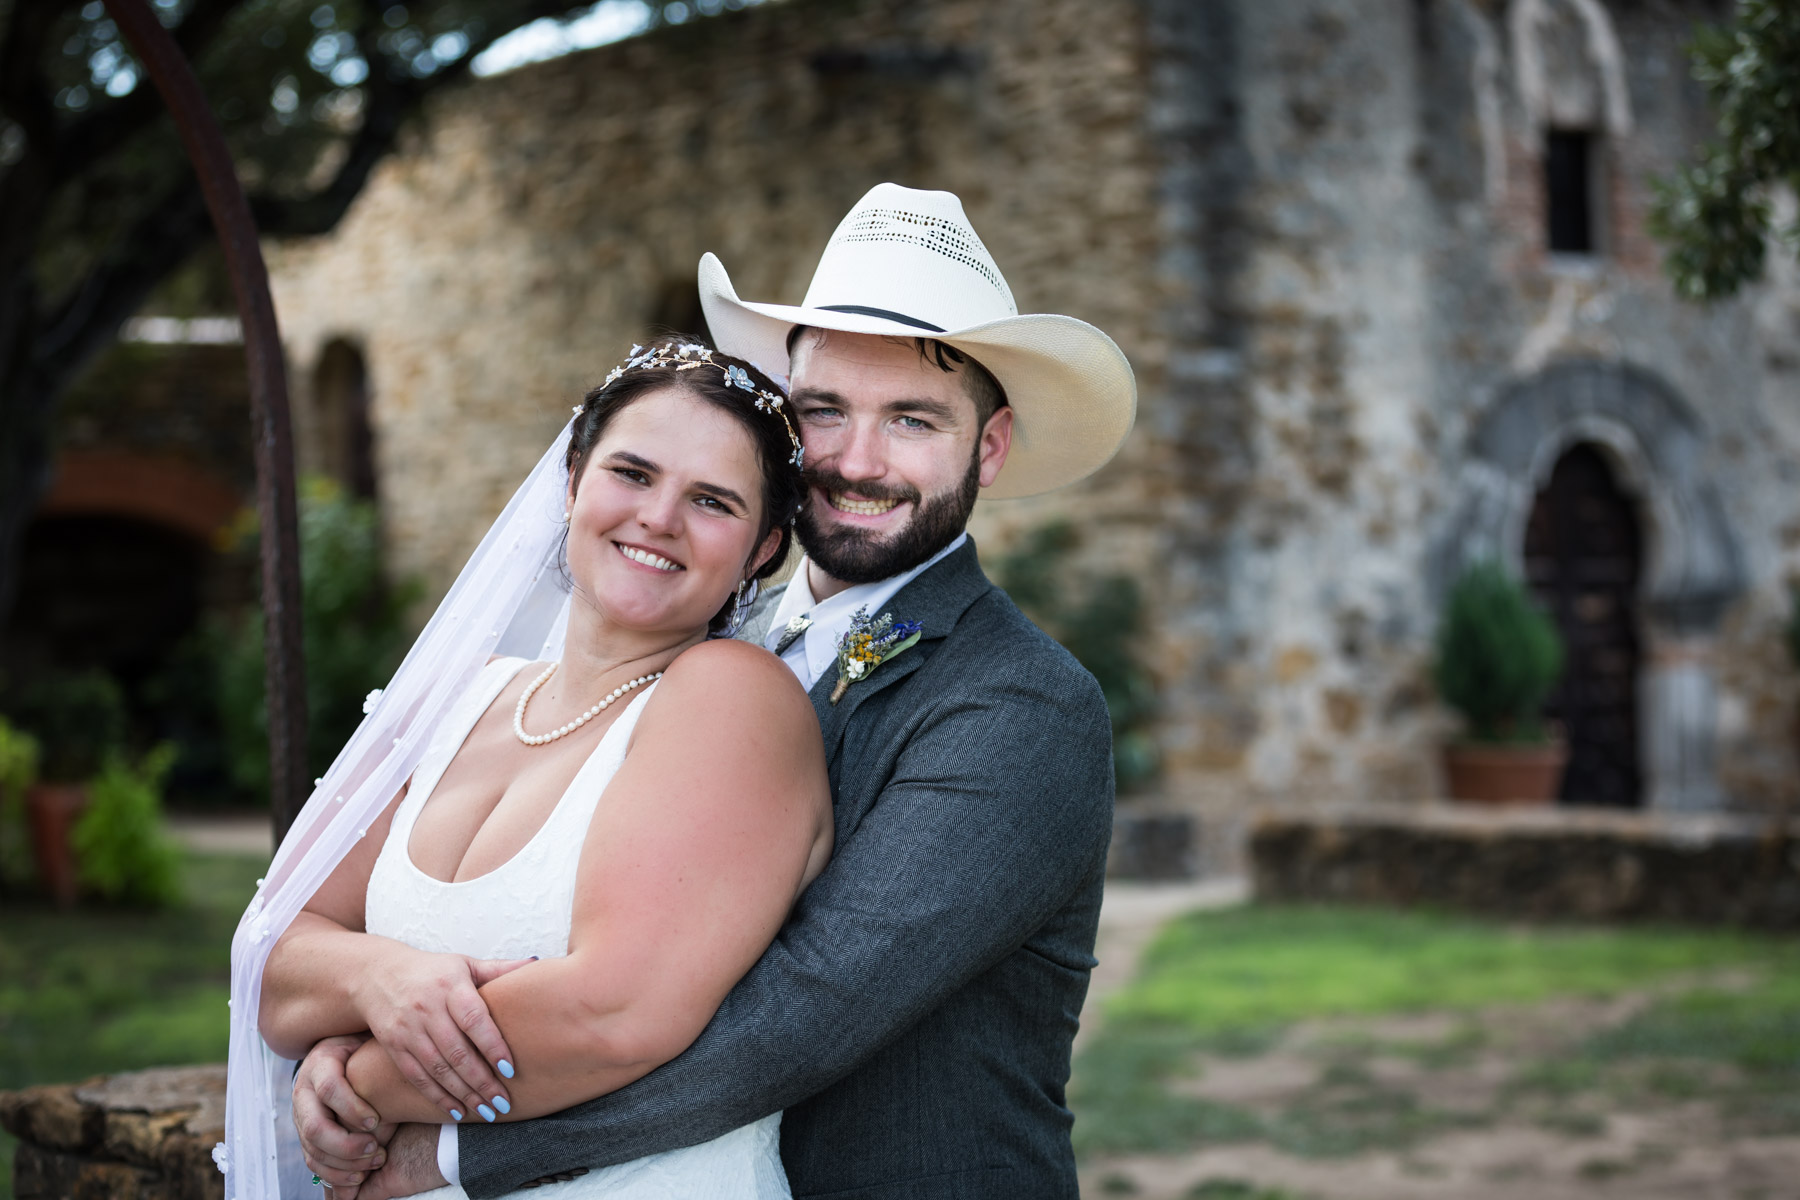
(852, 556)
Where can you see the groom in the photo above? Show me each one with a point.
(915, 1014)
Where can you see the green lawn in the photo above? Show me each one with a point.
(1233, 983)
(100, 990)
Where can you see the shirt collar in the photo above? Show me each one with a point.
(831, 616)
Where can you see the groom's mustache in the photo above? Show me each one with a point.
(831, 481)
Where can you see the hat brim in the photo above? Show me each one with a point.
(1070, 387)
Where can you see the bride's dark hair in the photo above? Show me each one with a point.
(783, 489)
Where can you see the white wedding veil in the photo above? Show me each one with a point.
(511, 598)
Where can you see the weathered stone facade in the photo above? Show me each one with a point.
(1316, 228)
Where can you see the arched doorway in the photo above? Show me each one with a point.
(346, 443)
(1691, 566)
(107, 591)
(1583, 558)
(120, 570)
(677, 310)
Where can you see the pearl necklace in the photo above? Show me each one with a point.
(578, 722)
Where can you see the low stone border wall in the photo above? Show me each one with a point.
(146, 1135)
(1154, 845)
(1543, 864)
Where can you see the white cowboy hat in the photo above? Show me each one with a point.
(906, 263)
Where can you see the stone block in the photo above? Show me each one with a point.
(1559, 864)
(143, 1135)
(1154, 846)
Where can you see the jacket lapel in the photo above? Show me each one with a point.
(937, 600)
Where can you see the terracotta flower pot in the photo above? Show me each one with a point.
(52, 809)
(1488, 773)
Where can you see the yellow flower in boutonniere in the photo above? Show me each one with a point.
(869, 642)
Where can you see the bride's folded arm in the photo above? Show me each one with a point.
(310, 984)
(716, 821)
(327, 976)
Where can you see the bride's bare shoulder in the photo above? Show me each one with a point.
(723, 676)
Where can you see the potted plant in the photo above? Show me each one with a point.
(76, 718)
(1793, 645)
(18, 771)
(1498, 657)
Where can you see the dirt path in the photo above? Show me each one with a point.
(250, 834)
(1495, 1105)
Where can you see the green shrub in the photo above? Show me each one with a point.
(354, 632)
(18, 771)
(122, 850)
(1793, 625)
(1099, 621)
(1498, 656)
(76, 717)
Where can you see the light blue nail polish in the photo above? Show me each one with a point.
(456, 1114)
(501, 1104)
(487, 1114)
(505, 1068)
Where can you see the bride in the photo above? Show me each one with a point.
(583, 854)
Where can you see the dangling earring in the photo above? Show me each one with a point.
(740, 607)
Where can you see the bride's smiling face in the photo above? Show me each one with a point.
(664, 517)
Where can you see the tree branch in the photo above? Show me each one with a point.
(174, 225)
(88, 139)
(88, 317)
(391, 97)
(388, 99)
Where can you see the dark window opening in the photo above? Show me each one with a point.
(348, 442)
(678, 310)
(1569, 191)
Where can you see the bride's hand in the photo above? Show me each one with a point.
(426, 1013)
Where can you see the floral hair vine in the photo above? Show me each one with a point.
(687, 356)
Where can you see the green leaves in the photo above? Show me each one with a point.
(1714, 216)
(1100, 620)
(123, 851)
(1498, 657)
(18, 771)
(1792, 632)
(353, 627)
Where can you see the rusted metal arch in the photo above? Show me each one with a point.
(271, 431)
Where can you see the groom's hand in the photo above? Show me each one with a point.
(411, 1166)
(339, 1133)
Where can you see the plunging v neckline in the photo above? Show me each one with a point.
(587, 763)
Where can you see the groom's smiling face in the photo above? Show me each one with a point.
(895, 452)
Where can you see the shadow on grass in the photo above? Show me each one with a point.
(1739, 1049)
(1233, 982)
(1129, 1100)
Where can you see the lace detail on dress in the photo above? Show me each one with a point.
(524, 907)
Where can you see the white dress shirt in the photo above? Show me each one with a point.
(808, 657)
(813, 652)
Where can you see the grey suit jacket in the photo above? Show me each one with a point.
(914, 1015)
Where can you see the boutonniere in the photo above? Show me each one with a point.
(869, 642)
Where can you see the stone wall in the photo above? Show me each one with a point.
(1547, 865)
(1391, 296)
(1317, 230)
(146, 1135)
(543, 219)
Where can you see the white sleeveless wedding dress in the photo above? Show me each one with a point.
(524, 907)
